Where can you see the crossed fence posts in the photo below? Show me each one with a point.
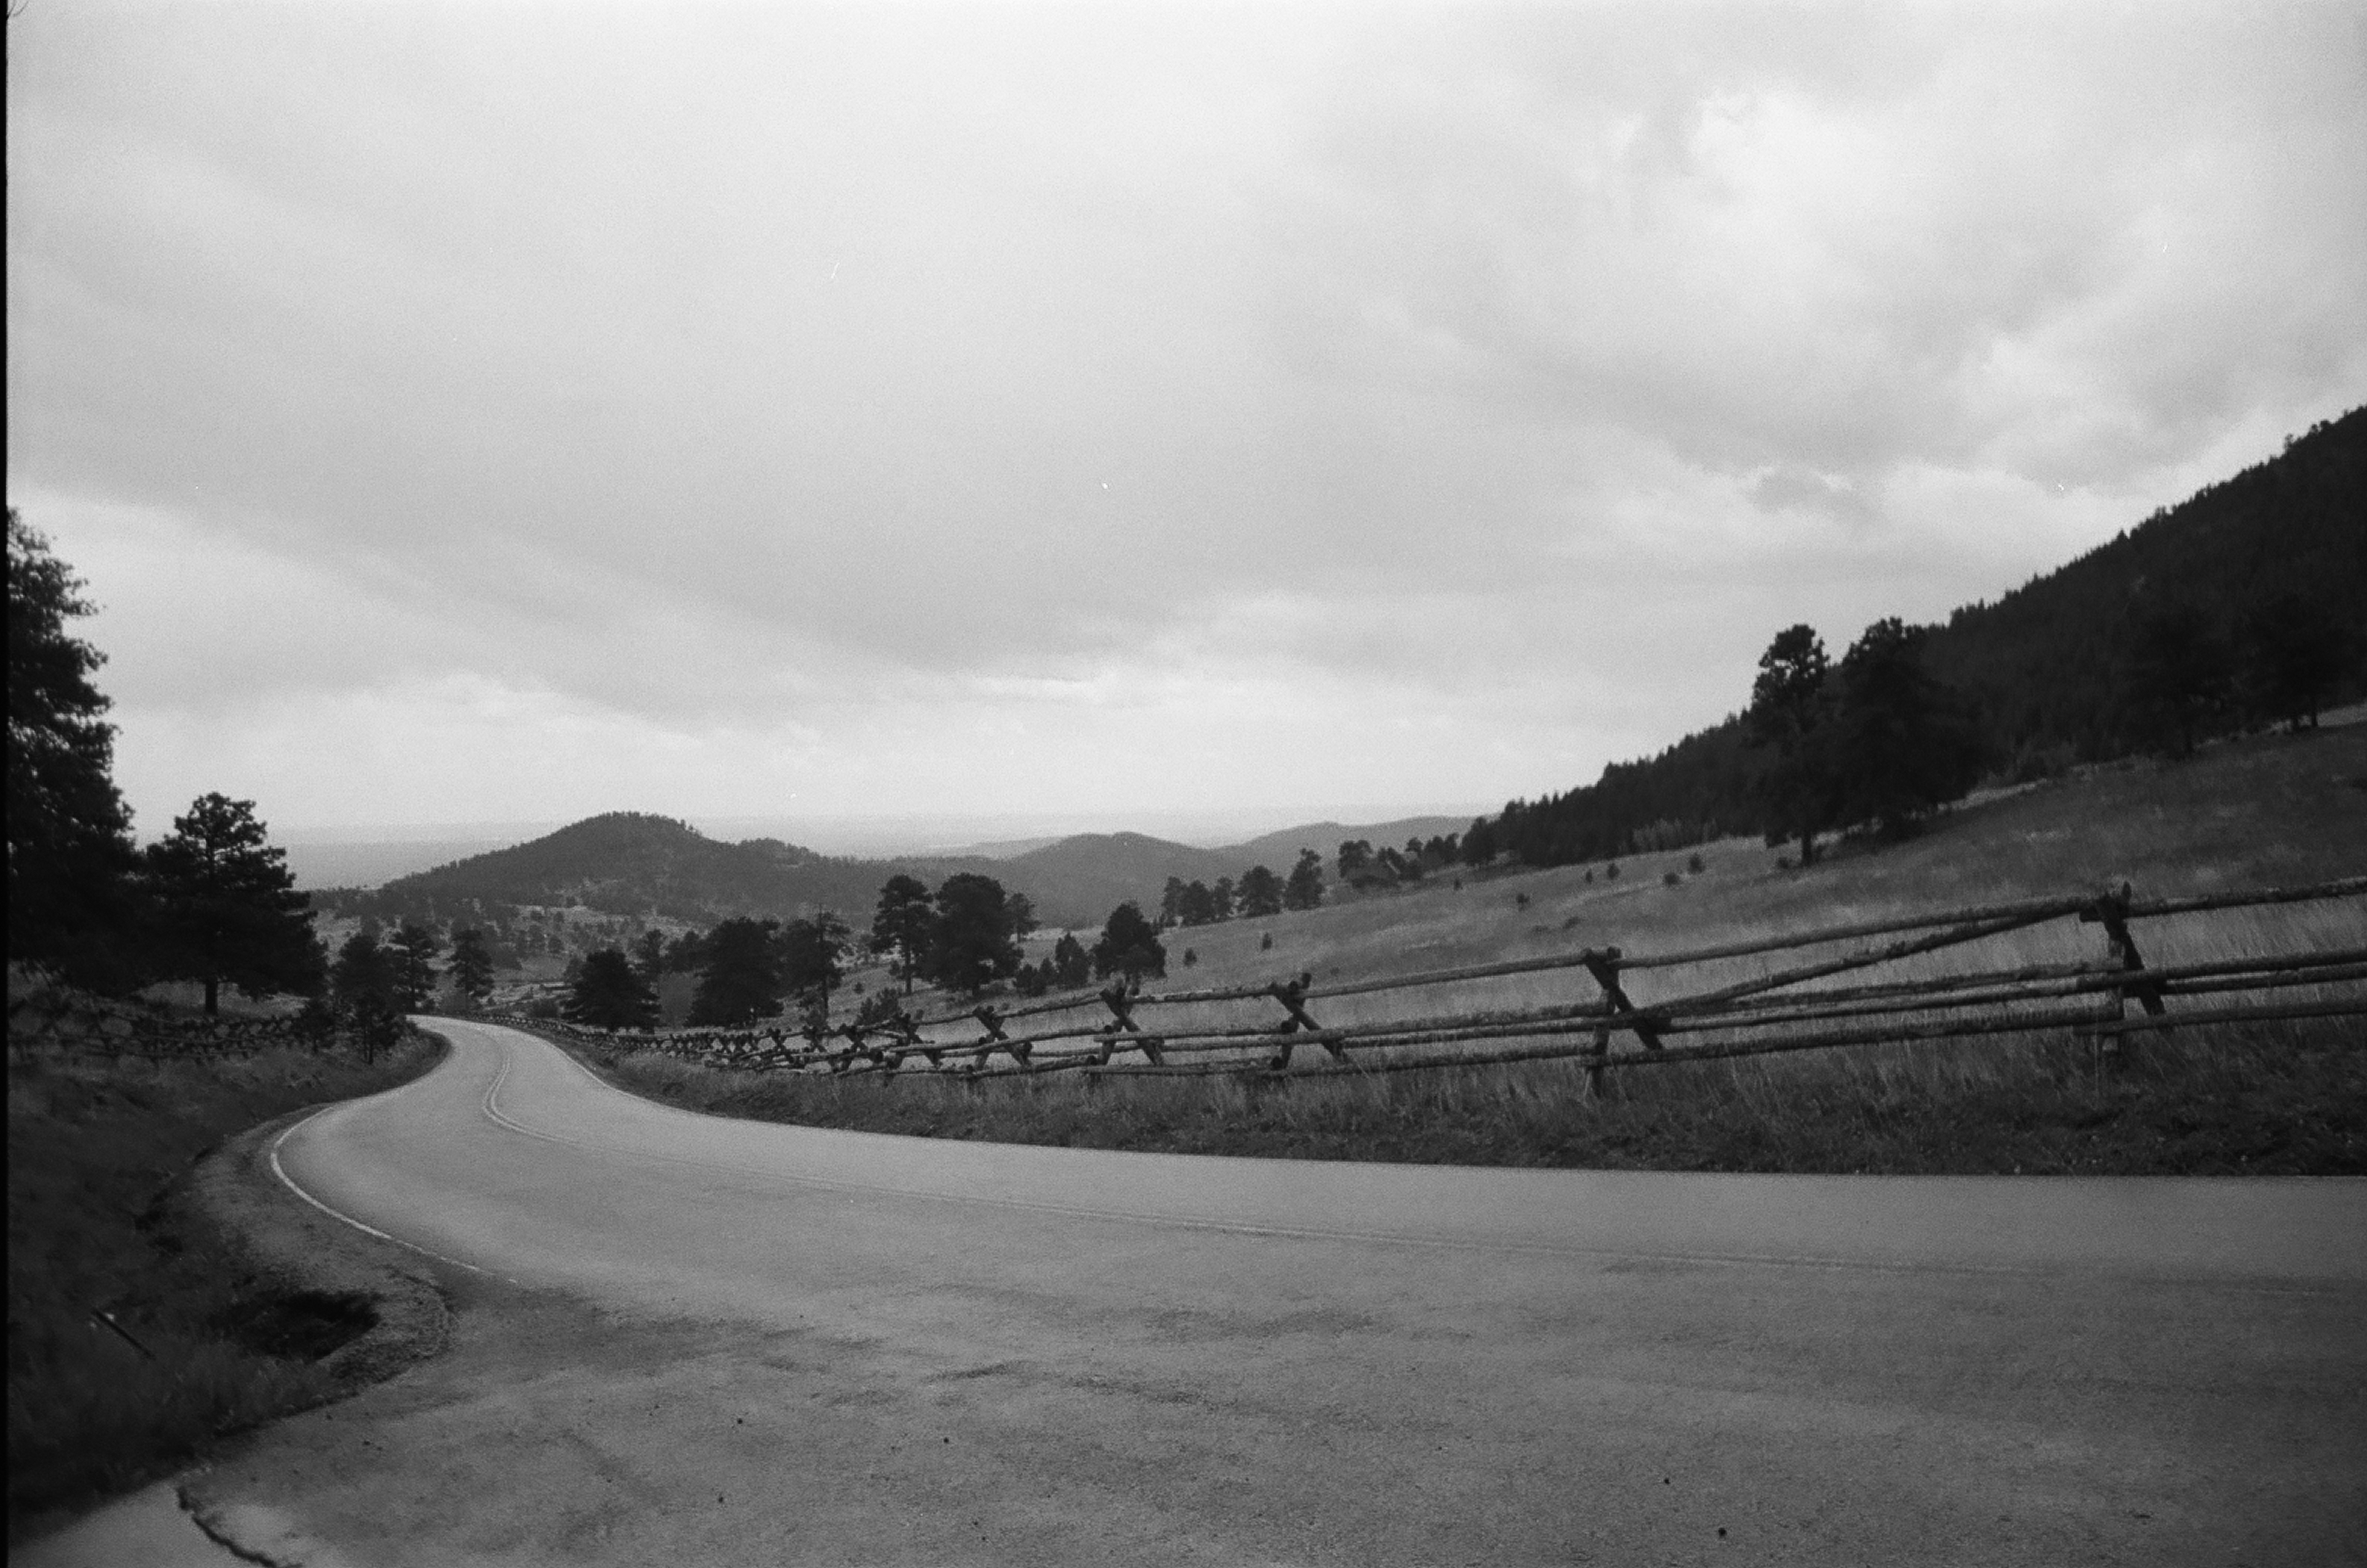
(1790, 1008)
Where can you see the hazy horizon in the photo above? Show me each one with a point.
(368, 854)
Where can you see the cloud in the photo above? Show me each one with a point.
(888, 405)
(1754, 262)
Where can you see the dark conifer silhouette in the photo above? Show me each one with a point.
(742, 980)
(971, 944)
(1304, 890)
(1129, 946)
(608, 994)
(70, 855)
(471, 968)
(227, 909)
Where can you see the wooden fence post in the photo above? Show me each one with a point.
(990, 1019)
(2111, 912)
(1121, 1006)
(1293, 996)
(1604, 967)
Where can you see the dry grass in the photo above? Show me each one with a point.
(2282, 1099)
(2268, 811)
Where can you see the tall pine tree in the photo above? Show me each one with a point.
(70, 853)
(227, 907)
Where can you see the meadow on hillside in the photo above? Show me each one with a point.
(2264, 811)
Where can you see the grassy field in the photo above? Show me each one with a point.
(2292, 1097)
(95, 1148)
(2258, 812)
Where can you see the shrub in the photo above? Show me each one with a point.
(1694, 864)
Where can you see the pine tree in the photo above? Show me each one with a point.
(362, 984)
(812, 951)
(649, 957)
(472, 965)
(1790, 705)
(607, 994)
(412, 949)
(227, 905)
(1260, 893)
(970, 945)
(1905, 743)
(1129, 946)
(69, 853)
(899, 928)
(1304, 889)
(742, 982)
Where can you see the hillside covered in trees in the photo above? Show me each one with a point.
(628, 864)
(2203, 618)
(633, 862)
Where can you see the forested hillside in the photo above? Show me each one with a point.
(629, 862)
(632, 864)
(1094, 872)
(2048, 664)
(2068, 668)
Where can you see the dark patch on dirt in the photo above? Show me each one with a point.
(305, 1326)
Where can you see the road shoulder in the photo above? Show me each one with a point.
(308, 1250)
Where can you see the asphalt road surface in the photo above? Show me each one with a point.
(686, 1340)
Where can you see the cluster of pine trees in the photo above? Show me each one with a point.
(211, 902)
(1366, 868)
(964, 937)
(746, 967)
(1259, 892)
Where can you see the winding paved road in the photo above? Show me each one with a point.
(690, 1339)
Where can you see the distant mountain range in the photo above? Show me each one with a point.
(634, 863)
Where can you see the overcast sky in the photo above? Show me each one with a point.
(481, 413)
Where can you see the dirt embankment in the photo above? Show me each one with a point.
(165, 1290)
(331, 1272)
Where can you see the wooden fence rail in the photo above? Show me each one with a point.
(1783, 1009)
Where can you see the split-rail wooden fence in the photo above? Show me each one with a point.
(1793, 1004)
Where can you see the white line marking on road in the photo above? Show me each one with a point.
(289, 1182)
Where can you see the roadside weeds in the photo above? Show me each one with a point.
(165, 1290)
(2262, 1099)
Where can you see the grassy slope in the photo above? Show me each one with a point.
(94, 1146)
(2268, 810)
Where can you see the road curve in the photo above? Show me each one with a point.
(1080, 1356)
